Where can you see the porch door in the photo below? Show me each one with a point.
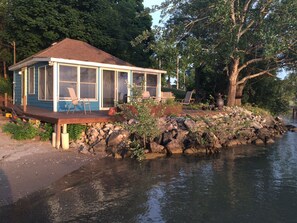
(108, 88)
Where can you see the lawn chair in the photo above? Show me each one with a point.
(188, 99)
(76, 101)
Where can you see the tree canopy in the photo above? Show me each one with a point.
(245, 38)
(108, 25)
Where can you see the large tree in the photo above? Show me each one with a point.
(109, 25)
(250, 37)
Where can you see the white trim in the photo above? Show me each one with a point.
(55, 87)
(29, 80)
(28, 63)
(86, 63)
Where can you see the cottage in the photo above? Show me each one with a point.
(43, 79)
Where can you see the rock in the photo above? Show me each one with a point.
(83, 149)
(156, 148)
(151, 156)
(117, 137)
(233, 142)
(190, 124)
(181, 135)
(109, 125)
(270, 141)
(191, 151)
(264, 133)
(256, 125)
(100, 146)
(174, 147)
(258, 142)
(166, 138)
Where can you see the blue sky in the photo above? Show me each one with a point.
(156, 15)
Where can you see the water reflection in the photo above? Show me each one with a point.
(245, 184)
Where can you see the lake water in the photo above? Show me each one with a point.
(244, 184)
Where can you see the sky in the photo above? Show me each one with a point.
(156, 15)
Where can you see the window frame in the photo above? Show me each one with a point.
(45, 82)
(31, 91)
(78, 82)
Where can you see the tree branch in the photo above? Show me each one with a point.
(250, 62)
(243, 80)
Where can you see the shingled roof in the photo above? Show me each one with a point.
(77, 50)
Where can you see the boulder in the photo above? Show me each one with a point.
(156, 148)
(190, 124)
(258, 142)
(174, 147)
(270, 141)
(193, 151)
(233, 142)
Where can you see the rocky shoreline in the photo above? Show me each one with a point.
(190, 134)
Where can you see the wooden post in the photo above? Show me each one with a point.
(58, 135)
(14, 52)
(5, 100)
(65, 138)
(25, 103)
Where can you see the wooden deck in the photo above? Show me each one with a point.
(77, 117)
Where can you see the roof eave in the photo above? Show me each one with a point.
(29, 62)
(105, 65)
(79, 62)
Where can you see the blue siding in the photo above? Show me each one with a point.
(17, 89)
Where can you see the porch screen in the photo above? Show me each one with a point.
(68, 79)
(45, 83)
(88, 83)
(139, 81)
(151, 85)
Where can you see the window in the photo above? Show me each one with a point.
(88, 83)
(82, 79)
(31, 80)
(149, 82)
(45, 83)
(151, 85)
(138, 79)
(68, 79)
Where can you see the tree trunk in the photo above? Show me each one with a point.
(239, 93)
(232, 82)
(198, 71)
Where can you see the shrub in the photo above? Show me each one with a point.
(75, 131)
(46, 131)
(21, 130)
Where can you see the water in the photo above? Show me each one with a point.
(245, 184)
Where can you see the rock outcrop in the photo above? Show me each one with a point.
(191, 134)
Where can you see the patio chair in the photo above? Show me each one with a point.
(76, 101)
(188, 100)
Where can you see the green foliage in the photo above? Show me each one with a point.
(108, 25)
(229, 41)
(46, 131)
(270, 93)
(137, 151)
(256, 110)
(5, 86)
(75, 131)
(20, 130)
(144, 125)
